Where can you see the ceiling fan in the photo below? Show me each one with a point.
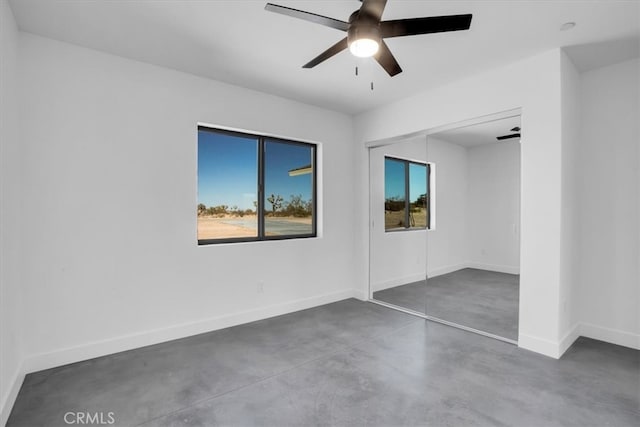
(366, 31)
(510, 136)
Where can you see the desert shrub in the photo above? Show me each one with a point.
(203, 210)
(297, 207)
(393, 204)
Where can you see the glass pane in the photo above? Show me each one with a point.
(288, 189)
(394, 194)
(418, 195)
(227, 186)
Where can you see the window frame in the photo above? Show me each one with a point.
(407, 202)
(260, 185)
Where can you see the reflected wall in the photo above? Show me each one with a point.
(399, 216)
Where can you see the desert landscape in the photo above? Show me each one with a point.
(210, 227)
(229, 226)
(293, 217)
(395, 219)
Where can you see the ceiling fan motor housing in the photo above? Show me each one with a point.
(362, 26)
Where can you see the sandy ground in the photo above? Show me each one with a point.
(394, 219)
(218, 228)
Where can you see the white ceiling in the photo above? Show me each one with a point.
(240, 43)
(481, 133)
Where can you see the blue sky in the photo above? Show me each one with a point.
(279, 159)
(228, 170)
(417, 181)
(394, 180)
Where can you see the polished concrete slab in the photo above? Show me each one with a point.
(349, 363)
(480, 299)
(412, 296)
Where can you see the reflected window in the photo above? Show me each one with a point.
(395, 190)
(406, 194)
(288, 184)
(254, 188)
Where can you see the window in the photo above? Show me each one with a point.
(254, 188)
(406, 195)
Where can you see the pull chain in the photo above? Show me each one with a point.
(371, 72)
(357, 73)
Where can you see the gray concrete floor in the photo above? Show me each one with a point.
(411, 295)
(484, 300)
(349, 363)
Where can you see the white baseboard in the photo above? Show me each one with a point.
(613, 336)
(539, 345)
(7, 404)
(587, 330)
(439, 271)
(569, 338)
(392, 283)
(360, 295)
(493, 267)
(91, 350)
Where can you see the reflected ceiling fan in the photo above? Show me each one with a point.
(366, 31)
(510, 136)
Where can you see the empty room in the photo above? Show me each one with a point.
(303, 213)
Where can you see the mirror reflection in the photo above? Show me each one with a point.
(399, 177)
(445, 226)
(474, 250)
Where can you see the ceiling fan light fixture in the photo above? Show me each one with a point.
(363, 38)
(364, 48)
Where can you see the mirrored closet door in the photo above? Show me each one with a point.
(473, 261)
(445, 225)
(399, 218)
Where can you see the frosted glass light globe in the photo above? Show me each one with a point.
(364, 48)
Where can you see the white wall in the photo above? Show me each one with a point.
(493, 207)
(609, 196)
(10, 237)
(534, 86)
(447, 242)
(397, 258)
(109, 207)
(571, 240)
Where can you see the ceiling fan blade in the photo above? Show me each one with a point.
(386, 59)
(428, 25)
(373, 8)
(336, 48)
(503, 137)
(308, 16)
